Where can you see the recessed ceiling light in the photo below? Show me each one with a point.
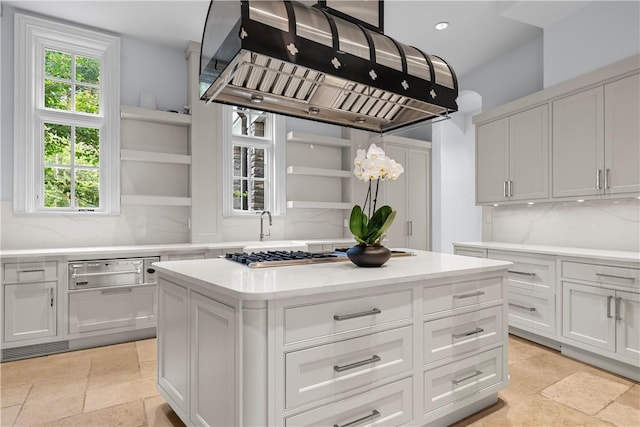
(441, 25)
(580, 200)
(531, 203)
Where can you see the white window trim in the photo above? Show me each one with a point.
(276, 171)
(32, 35)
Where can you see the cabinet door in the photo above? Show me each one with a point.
(492, 161)
(628, 324)
(103, 310)
(29, 311)
(529, 154)
(622, 135)
(418, 197)
(213, 372)
(588, 315)
(578, 144)
(396, 197)
(173, 369)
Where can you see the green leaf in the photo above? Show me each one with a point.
(387, 223)
(358, 222)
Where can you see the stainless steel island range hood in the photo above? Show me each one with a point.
(288, 58)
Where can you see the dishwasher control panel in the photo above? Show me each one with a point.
(112, 272)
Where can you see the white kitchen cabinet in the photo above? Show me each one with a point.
(628, 324)
(410, 197)
(100, 311)
(512, 157)
(29, 310)
(213, 353)
(596, 140)
(173, 345)
(622, 136)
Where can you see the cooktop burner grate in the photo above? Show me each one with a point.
(274, 258)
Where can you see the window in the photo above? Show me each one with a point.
(251, 152)
(67, 119)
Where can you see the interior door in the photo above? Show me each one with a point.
(418, 197)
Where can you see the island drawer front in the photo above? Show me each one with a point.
(532, 310)
(621, 276)
(30, 271)
(389, 405)
(461, 294)
(461, 379)
(317, 320)
(473, 252)
(535, 273)
(456, 335)
(330, 369)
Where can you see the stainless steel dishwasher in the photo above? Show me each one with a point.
(111, 296)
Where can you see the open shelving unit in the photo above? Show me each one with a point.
(155, 157)
(315, 161)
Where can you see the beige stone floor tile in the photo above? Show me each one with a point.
(44, 368)
(475, 419)
(146, 350)
(620, 415)
(116, 394)
(125, 415)
(69, 387)
(15, 395)
(112, 351)
(520, 349)
(112, 370)
(160, 414)
(38, 411)
(9, 414)
(148, 368)
(585, 392)
(631, 397)
(539, 411)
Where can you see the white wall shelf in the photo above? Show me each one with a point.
(154, 157)
(154, 116)
(330, 173)
(317, 139)
(155, 200)
(295, 204)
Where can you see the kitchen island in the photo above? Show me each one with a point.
(421, 340)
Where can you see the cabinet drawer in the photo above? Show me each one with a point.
(330, 369)
(477, 253)
(455, 335)
(529, 272)
(107, 309)
(531, 310)
(389, 405)
(328, 318)
(462, 294)
(30, 271)
(621, 276)
(461, 379)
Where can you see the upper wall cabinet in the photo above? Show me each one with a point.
(596, 140)
(578, 139)
(512, 157)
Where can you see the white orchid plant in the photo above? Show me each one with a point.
(373, 164)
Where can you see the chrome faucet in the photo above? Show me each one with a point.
(262, 235)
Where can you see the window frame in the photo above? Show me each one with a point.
(273, 144)
(33, 36)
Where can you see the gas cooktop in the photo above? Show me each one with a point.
(284, 258)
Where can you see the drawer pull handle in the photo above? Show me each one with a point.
(75, 275)
(469, 295)
(524, 307)
(523, 273)
(466, 334)
(372, 416)
(609, 298)
(618, 301)
(456, 382)
(116, 291)
(34, 270)
(339, 317)
(615, 277)
(375, 358)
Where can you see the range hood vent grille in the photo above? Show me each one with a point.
(262, 63)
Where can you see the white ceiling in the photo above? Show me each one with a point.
(479, 30)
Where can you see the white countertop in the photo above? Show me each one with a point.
(150, 249)
(598, 254)
(239, 281)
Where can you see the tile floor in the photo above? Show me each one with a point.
(115, 386)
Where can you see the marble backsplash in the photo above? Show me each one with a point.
(597, 224)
